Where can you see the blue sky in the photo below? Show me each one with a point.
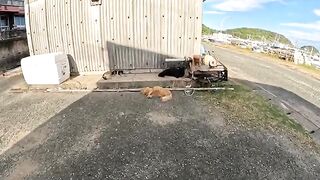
(299, 20)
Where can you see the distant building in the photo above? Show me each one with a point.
(12, 15)
(221, 37)
(302, 57)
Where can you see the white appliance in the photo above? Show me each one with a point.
(46, 69)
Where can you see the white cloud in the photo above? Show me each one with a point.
(317, 12)
(240, 5)
(311, 26)
(213, 12)
(310, 36)
(304, 31)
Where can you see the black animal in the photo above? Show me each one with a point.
(177, 72)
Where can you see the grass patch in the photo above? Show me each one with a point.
(310, 68)
(244, 107)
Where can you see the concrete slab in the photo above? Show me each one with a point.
(142, 80)
(88, 82)
(74, 83)
(93, 82)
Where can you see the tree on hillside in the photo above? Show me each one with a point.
(251, 33)
(258, 34)
(207, 31)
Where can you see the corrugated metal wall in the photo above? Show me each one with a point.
(118, 34)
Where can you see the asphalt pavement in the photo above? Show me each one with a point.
(295, 92)
(126, 136)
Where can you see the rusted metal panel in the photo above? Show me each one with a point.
(127, 34)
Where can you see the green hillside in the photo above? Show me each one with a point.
(310, 49)
(252, 33)
(258, 34)
(207, 31)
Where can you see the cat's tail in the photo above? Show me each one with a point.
(166, 98)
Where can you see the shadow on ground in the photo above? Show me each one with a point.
(125, 136)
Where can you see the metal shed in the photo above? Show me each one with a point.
(103, 35)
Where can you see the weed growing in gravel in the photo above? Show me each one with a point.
(244, 107)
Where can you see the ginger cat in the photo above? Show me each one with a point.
(157, 91)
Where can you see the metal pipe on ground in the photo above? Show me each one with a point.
(113, 90)
(138, 90)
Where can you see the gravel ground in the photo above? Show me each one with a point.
(125, 136)
(21, 113)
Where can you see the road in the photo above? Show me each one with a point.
(295, 92)
(126, 136)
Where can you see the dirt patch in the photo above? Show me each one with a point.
(87, 142)
(34, 139)
(23, 169)
(161, 119)
(248, 110)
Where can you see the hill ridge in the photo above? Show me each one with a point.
(252, 33)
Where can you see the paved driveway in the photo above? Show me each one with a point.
(125, 136)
